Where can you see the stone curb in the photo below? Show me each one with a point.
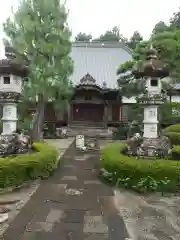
(3, 217)
(15, 188)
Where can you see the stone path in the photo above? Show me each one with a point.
(71, 205)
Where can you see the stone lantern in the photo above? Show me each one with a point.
(152, 71)
(12, 73)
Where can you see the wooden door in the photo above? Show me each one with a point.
(95, 112)
(88, 112)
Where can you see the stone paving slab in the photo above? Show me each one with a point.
(151, 216)
(71, 205)
(60, 143)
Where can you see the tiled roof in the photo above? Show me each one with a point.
(99, 60)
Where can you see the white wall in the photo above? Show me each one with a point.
(128, 100)
(175, 98)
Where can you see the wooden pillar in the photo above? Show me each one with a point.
(105, 115)
(120, 113)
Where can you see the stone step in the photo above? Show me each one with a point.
(90, 132)
(95, 125)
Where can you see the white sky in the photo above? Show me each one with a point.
(97, 16)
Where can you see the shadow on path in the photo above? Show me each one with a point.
(71, 205)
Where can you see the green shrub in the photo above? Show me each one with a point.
(176, 152)
(138, 170)
(174, 137)
(173, 128)
(24, 125)
(122, 132)
(16, 170)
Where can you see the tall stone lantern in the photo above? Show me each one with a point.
(12, 73)
(152, 71)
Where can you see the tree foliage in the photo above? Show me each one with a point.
(170, 112)
(175, 20)
(113, 35)
(160, 27)
(128, 85)
(39, 31)
(110, 35)
(83, 37)
(134, 40)
(165, 38)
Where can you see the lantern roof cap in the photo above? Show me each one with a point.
(152, 66)
(12, 63)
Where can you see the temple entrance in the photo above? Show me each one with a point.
(93, 105)
(88, 112)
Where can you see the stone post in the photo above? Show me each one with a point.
(69, 115)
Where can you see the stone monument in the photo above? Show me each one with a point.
(80, 142)
(11, 81)
(152, 71)
(12, 73)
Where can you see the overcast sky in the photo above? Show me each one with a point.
(96, 16)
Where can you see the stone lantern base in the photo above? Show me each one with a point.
(154, 147)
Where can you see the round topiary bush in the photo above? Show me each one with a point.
(174, 137)
(173, 128)
(40, 164)
(173, 133)
(142, 175)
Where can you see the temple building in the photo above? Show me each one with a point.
(96, 100)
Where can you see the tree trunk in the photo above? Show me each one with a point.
(38, 120)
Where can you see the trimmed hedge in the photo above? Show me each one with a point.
(176, 152)
(122, 166)
(16, 170)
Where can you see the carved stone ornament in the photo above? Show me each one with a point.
(8, 111)
(15, 63)
(7, 126)
(14, 144)
(88, 80)
(152, 113)
(153, 129)
(10, 96)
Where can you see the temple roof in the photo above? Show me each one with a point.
(100, 61)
